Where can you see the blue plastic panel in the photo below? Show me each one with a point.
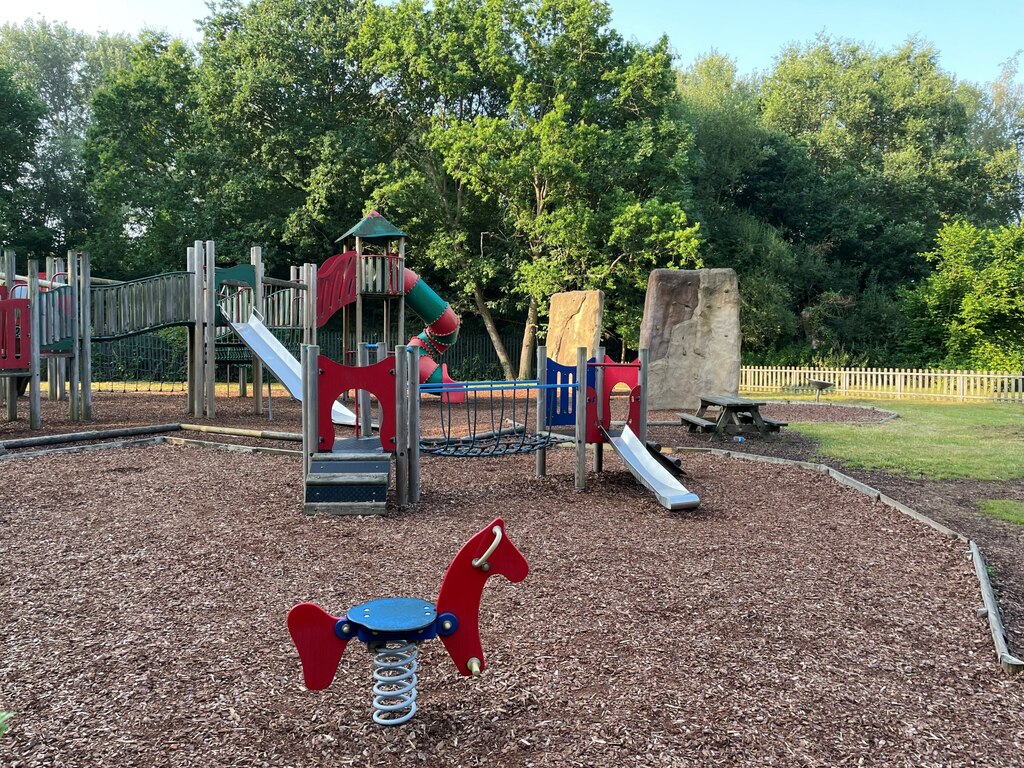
(561, 403)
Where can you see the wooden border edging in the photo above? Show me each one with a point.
(77, 437)
(260, 433)
(141, 443)
(1010, 664)
(184, 441)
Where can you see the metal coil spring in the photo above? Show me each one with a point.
(394, 692)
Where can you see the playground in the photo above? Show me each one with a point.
(148, 588)
(681, 607)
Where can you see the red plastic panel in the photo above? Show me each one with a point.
(463, 586)
(15, 334)
(335, 285)
(377, 379)
(633, 420)
(320, 649)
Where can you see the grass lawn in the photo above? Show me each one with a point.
(1004, 509)
(942, 441)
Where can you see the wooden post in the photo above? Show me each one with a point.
(363, 397)
(74, 275)
(199, 328)
(10, 382)
(359, 293)
(256, 259)
(85, 352)
(541, 456)
(644, 358)
(311, 284)
(401, 287)
(35, 405)
(210, 340)
(581, 418)
(401, 426)
(599, 389)
(190, 266)
(309, 362)
(413, 354)
(52, 363)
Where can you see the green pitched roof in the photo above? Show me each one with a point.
(373, 227)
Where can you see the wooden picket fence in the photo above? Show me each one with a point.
(888, 382)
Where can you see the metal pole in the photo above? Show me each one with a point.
(401, 287)
(644, 358)
(541, 457)
(359, 292)
(310, 410)
(401, 426)
(52, 363)
(581, 418)
(190, 266)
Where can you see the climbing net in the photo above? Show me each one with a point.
(147, 362)
(492, 420)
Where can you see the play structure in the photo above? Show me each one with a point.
(43, 326)
(570, 404)
(48, 323)
(393, 628)
(53, 321)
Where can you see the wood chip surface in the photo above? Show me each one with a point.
(788, 621)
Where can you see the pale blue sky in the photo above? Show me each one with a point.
(973, 38)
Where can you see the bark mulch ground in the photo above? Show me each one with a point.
(787, 621)
(953, 502)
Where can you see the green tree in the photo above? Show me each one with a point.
(440, 65)
(291, 127)
(586, 166)
(892, 141)
(970, 312)
(144, 156)
(63, 68)
(18, 132)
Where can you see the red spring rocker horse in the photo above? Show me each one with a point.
(393, 627)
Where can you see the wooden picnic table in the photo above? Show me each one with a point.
(736, 415)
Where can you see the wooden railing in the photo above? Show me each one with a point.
(888, 382)
(141, 305)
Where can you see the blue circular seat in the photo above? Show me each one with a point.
(393, 614)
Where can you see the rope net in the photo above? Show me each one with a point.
(147, 362)
(493, 420)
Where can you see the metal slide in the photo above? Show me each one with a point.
(650, 472)
(279, 360)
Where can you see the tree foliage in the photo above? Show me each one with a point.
(62, 68)
(969, 313)
(869, 201)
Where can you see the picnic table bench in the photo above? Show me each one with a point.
(736, 415)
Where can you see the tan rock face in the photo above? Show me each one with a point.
(574, 321)
(691, 328)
